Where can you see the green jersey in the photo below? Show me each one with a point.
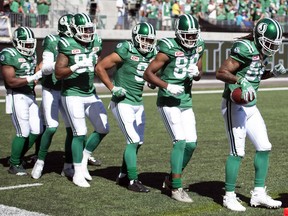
(80, 83)
(23, 65)
(175, 71)
(50, 45)
(129, 74)
(252, 66)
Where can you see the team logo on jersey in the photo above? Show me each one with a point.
(76, 51)
(134, 58)
(21, 60)
(199, 49)
(2, 57)
(179, 53)
(255, 58)
(119, 45)
(95, 49)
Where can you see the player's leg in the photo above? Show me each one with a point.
(235, 121)
(257, 133)
(20, 120)
(171, 117)
(189, 126)
(50, 106)
(96, 113)
(68, 169)
(131, 121)
(74, 108)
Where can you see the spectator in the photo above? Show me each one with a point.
(166, 15)
(16, 13)
(230, 11)
(176, 9)
(121, 8)
(43, 7)
(220, 11)
(142, 11)
(212, 11)
(152, 13)
(187, 7)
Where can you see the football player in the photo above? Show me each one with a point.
(131, 59)
(51, 100)
(180, 62)
(245, 68)
(75, 67)
(18, 70)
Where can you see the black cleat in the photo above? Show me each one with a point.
(124, 181)
(137, 186)
(17, 170)
(94, 162)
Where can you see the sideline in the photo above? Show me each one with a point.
(20, 186)
(193, 92)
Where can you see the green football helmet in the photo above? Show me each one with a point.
(268, 36)
(64, 25)
(83, 28)
(187, 30)
(24, 41)
(144, 37)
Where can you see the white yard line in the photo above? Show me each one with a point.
(8, 210)
(20, 186)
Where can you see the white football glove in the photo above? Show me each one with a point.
(175, 89)
(34, 77)
(192, 70)
(118, 91)
(81, 64)
(279, 69)
(248, 92)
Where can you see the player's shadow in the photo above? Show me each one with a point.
(109, 173)
(283, 197)
(214, 190)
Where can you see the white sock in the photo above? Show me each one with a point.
(86, 155)
(78, 169)
(230, 193)
(259, 189)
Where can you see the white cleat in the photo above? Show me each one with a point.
(260, 198)
(80, 181)
(181, 195)
(37, 169)
(86, 173)
(233, 203)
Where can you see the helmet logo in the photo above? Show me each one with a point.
(64, 21)
(136, 29)
(262, 27)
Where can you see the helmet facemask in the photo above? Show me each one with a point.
(24, 41)
(85, 33)
(269, 47)
(146, 43)
(188, 38)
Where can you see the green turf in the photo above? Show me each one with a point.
(204, 175)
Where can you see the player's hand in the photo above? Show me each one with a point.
(118, 91)
(175, 89)
(192, 70)
(81, 64)
(248, 92)
(34, 77)
(279, 69)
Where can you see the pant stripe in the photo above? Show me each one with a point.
(14, 116)
(122, 125)
(230, 128)
(166, 123)
(68, 115)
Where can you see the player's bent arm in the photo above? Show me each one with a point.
(48, 63)
(105, 64)
(150, 73)
(61, 67)
(199, 65)
(8, 73)
(227, 71)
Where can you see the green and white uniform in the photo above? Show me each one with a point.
(242, 120)
(129, 110)
(21, 102)
(79, 95)
(176, 111)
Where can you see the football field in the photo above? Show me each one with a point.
(204, 176)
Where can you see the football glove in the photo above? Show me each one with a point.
(36, 76)
(175, 89)
(118, 91)
(248, 92)
(151, 86)
(279, 69)
(192, 70)
(81, 64)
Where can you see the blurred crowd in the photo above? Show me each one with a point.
(162, 13)
(30, 13)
